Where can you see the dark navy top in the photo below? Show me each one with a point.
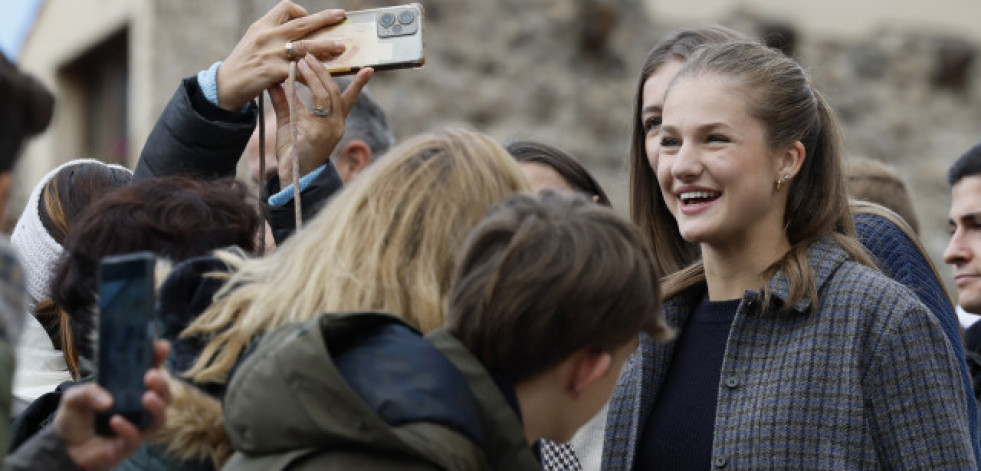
(678, 432)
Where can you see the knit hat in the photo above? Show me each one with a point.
(38, 251)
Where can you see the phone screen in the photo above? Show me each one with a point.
(126, 301)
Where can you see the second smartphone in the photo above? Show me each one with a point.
(126, 313)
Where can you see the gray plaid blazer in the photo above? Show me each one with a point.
(866, 379)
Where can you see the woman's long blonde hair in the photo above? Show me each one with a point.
(386, 242)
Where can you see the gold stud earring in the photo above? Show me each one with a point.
(781, 180)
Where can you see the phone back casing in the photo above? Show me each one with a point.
(125, 353)
(362, 35)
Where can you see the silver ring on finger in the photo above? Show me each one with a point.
(322, 112)
(290, 55)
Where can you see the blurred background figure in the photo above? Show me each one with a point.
(54, 207)
(547, 166)
(70, 442)
(964, 251)
(875, 181)
(176, 218)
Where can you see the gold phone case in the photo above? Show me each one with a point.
(380, 38)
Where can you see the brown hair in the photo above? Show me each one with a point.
(542, 277)
(62, 201)
(647, 209)
(174, 217)
(779, 95)
(875, 181)
(66, 195)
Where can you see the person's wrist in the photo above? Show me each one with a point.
(228, 100)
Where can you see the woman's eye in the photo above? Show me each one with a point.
(670, 141)
(652, 124)
(716, 138)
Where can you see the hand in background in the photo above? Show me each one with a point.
(75, 419)
(259, 59)
(317, 134)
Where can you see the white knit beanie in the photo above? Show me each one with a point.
(38, 250)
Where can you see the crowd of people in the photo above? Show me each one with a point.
(448, 301)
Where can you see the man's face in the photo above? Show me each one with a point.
(964, 249)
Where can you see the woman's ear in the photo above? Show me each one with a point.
(791, 160)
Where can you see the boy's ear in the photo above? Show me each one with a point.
(585, 367)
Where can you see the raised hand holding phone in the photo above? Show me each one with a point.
(126, 311)
(305, 138)
(260, 58)
(74, 421)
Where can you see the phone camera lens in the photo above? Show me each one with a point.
(397, 29)
(387, 20)
(406, 17)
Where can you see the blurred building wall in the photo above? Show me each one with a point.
(837, 18)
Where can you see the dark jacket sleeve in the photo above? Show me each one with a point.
(46, 451)
(195, 138)
(897, 256)
(282, 218)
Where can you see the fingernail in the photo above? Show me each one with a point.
(310, 57)
(338, 48)
(338, 14)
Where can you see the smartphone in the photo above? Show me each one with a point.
(126, 312)
(381, 38)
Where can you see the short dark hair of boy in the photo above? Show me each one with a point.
(541, 277)
(968, 165)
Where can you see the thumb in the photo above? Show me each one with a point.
(87, 398)
(76, 412)
(353, 90)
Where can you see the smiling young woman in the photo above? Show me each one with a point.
(792, 349)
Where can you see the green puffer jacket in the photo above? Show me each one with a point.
(366, 391)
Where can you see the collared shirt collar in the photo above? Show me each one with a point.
(824, 257)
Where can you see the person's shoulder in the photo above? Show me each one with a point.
(864, 286)
(880, 310)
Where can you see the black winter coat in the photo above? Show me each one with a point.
(193, 137)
